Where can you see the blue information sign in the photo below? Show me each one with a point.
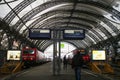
(36, 33)
(74, 34)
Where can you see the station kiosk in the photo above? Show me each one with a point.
(13, 63)
(99, 62)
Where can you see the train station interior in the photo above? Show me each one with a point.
(36, 35)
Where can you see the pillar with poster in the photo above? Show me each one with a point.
(99, 63)
(13, 63)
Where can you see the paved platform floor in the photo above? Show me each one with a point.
(45, 72)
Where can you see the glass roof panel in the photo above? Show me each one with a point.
(112, 18)
(93, 34)
(39, 14)
(4, 9)
(113, 34)
(84, 42)
(116, 25)
(41, 22)
(117, 6)
(101, 33)
(86, 16)
(15, 3)
(24, 11)
(14, 21)
(22, 29)
(91, 8)
(107, 28)
(38, 2)
(52, 8)
(91, 39)
(29, 22)
(27, 9)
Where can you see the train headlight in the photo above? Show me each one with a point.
(24, 58)
(31, 58)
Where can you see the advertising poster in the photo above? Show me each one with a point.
(13, 54)
(98, 55)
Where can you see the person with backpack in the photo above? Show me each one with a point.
(77, 63)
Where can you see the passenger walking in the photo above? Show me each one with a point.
(77, 63)
(65, 62)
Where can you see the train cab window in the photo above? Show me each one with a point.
(82, 53)
(28, 52)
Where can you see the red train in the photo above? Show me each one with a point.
(84, 54)
(32, 56)
(86, 58)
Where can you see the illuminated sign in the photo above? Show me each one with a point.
(98, 55)
(62, 45)
(74, 34)
(36, 33)
(13, 54)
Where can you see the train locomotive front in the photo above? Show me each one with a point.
(31, 56)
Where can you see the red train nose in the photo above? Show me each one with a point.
(86, 58)
(31, 59)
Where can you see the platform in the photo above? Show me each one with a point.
(44, 72)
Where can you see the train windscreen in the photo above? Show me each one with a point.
(82, 51)
(28, 52)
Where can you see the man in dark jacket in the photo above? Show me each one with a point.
(77, 62)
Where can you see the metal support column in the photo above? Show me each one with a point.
(59, 55)
(54, 52)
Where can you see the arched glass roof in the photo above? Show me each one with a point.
(100, 18)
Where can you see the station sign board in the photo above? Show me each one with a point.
(76, 34)
(98, 55)
(13, 54)
(37, 33)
